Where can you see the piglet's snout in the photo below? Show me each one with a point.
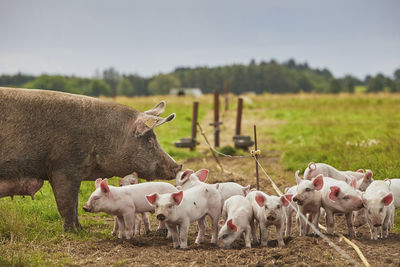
(160, 217)
(271, 217)
(86, 208)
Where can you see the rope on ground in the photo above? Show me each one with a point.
(338, 249)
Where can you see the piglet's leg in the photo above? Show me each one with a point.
(172, 229)
(146, 222)
(121, 226)
(183, 233)
(247, 237)
(138, 224)
(279, 234)
(202, 229)
(330, 222)
(349, 217)
(115, 229)
(264, 234)
(253, 231)
(129, 224)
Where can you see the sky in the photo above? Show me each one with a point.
(147, 37)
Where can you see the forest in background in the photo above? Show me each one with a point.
(262, 77)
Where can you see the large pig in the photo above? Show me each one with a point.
(66, 138)
(189, 179)
(309, 201)
(269, 210)
(378, 203)
(124, 202)
(180, 209)
(236, 219)
(340, 197)
(359, 178)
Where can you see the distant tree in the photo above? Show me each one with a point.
(125, 87)
(348, 84)
(162, 83)
(99, 87)
(304, 84)
(49, 82)
(111, 76)
(335, 86)
(396, 75)
(376, 84)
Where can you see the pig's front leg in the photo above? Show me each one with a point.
(315, 219)
(146, 222)
(202, 228)
(121, 226)
(253, 231)
(279, 234)
(288, 222)
(214, 214)
(303, 223)
(173, 231)
(115, 229)
(385, 227)
(247, 236)
(330, 222)
(373, 230)
(349, 217)
(129, 220)
(264, 234)
(183, 233)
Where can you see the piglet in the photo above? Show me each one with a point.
(124, 202)
(340, 197)
(21, 186)
(269, 210)
(361, 179)
(308, 198)
(378, 202)
(189, 179)
(237, 216)
(180, 209)
(128, 180)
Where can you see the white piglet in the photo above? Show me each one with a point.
(189, 179)
(180, 209)
(124, 202)
(236, 218)
(379, 206)
(269, 210)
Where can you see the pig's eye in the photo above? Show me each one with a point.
(170, 206)
(346, 197)
(225, 236)
(278, 207)
(308, 189)
(156, 206)
(381, 209)
(95, 198)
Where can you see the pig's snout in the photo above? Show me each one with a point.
(270, 218)
(377, 224)
(160, 217)
(298, 201)
(86, 208)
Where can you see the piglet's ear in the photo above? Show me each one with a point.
(368, 175)
(104, 186)
(97, 182)
(334, 194)
(184, 176)
(360, 170)
(177, 197)
(232, 226)
(260, 199)
(318, 182)
(298, 179)
(354, 183)
(152, 198)
(388, 199)
(286, 199)
(202, 174)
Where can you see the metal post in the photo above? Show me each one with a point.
(255, 149)
(226, 95)
(216, 119)
(194, 119)
(239, 116)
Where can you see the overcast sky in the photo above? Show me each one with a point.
(148, 37)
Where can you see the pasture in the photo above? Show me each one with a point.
(346, 131)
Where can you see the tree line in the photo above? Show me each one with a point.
(262, 77)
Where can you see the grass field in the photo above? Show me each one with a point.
(346, 131)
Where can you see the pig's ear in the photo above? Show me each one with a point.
(368, 175)
(286, 199)
(157, 110)
(246, 190)
(177, 197)
(298, 179)
(202, 174)
(232, 226)
(260, 199)
(312, 166)
(360, 170)
(353, 183)
(184, 176)
(104, 186)
(334, 194)
(97, 182)
(388, 199)
(318, 182)
(152, 198)
(135, 175)
(145, 123)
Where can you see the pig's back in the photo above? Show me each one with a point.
(41, 129)
(376, 189)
